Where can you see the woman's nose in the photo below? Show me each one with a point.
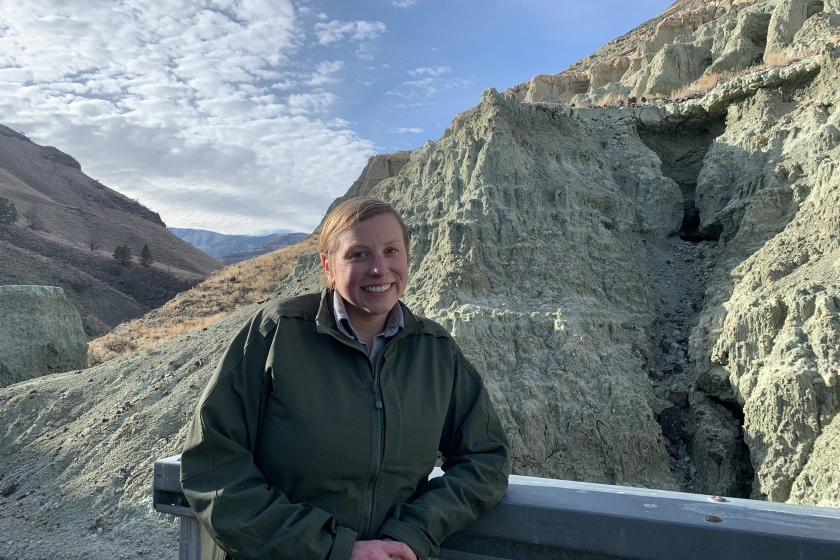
(379, 266)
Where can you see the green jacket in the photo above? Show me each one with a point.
(299, 446)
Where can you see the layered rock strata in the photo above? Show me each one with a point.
(693, 39)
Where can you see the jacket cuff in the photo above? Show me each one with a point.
(343, 545)
(405, 533)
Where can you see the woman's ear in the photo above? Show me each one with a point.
(325, 263)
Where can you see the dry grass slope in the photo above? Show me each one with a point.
(224, 292)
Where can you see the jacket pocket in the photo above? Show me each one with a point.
(399, 483)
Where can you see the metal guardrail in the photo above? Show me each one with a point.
(543, 518)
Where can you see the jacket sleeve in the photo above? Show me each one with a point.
(229, 495)
(476, 470)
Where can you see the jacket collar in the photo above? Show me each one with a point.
(325, 318)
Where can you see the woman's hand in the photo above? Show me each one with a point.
(381, 550)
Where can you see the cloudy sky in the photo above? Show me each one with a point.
(245, 116)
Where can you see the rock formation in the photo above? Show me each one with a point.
(42, 333)
(651, 291)
(378, 168)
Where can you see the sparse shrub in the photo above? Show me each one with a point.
(115, 270)
(703, 85)
(8, 212)
(777, 58)
(783, 58)
(146, 256)
(122, 254)
(79, 286)
(118, 344)
(613, 99)
(96, 356)
(32, 217)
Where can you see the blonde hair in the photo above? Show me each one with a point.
(349, 213)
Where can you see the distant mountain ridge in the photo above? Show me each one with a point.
(231, 249)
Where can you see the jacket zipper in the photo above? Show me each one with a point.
(378, 435)
(376, 450)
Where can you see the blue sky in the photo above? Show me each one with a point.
(244, 116)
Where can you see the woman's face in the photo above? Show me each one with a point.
(369, 268)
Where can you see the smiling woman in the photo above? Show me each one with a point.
(317, 433)
(364, 252)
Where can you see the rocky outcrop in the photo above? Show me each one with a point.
(787, 19)
(378, 168)
(761, 422)
(767, 340)
(693, 40)
(42, 333)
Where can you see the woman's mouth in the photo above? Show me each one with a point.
(377, 289)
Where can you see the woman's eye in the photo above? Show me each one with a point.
(391, 251)
(357, 255)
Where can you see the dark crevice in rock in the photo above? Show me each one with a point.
(683, 147)
(741, 460)
(756, 27)
(691, 231)
(682, 150)
(733, 407)
(745, 476)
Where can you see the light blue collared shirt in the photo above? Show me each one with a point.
(393, 325)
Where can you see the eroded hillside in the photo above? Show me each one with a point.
(67, 229)
(212, 300)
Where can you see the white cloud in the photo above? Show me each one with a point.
(324, 73)
(413, 105)
(435, 71)
(429, 86)
(305, 103)
(201, 109)
(403, 130)
(339, 123)
(365, 51)
(403, 3)
(336, 31)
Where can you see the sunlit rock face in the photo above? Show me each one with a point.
(767, 341)
(753, 147)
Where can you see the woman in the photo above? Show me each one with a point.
(316, 434)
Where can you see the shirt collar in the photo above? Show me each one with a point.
(393, 324)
